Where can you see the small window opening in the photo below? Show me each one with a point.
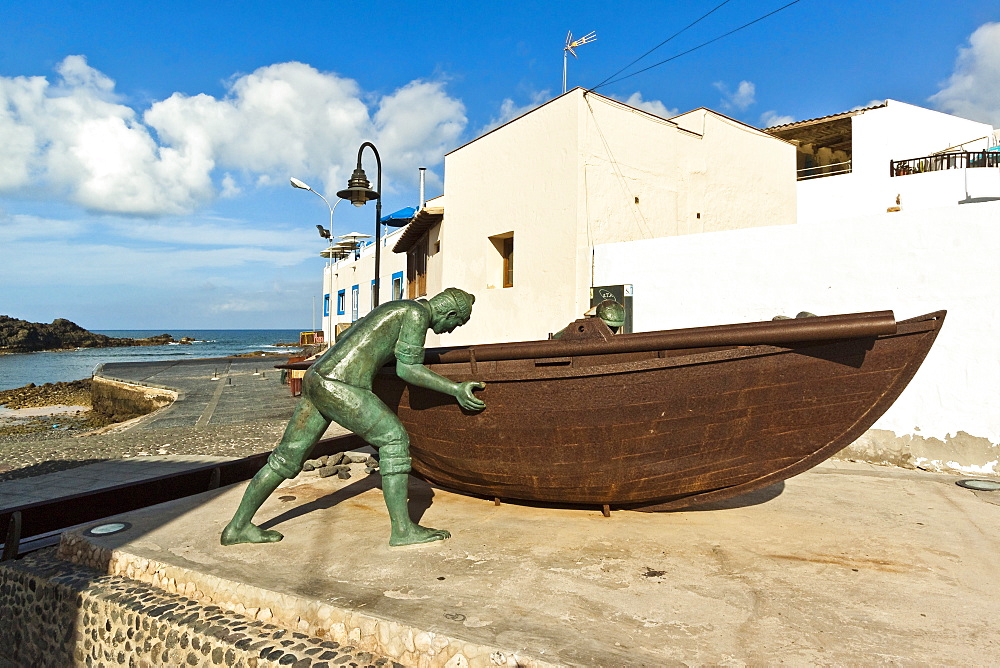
(504, 244)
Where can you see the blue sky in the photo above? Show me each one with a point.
(145, 148)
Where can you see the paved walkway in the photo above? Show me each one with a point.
(244, 390)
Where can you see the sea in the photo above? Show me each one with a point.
(19, 369)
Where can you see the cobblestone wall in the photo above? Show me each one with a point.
(60, 614)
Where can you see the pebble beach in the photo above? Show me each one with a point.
(242, 413)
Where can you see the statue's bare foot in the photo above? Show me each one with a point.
(249, 533)
(416, 534)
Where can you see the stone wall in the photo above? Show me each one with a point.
(120, 401)
(60, 614)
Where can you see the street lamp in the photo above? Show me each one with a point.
(328, 274)
(359, 191)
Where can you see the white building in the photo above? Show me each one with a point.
(860, 162)
(525, 205)
(349, 282)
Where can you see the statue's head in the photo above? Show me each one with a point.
(612, 313)
(450, 308)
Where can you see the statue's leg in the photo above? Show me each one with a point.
(389, 436)
(362, 412)
(303, 430)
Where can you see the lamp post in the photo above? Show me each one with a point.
(328, 274)
(359, 191)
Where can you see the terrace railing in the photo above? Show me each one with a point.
(818, 171)
(942, 161)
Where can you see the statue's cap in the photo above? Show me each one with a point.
(462, 300)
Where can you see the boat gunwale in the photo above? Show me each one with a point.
(695, 356)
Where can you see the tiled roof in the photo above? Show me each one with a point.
(424, 220)
(823, 119)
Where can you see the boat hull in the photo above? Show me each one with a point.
(658, 429)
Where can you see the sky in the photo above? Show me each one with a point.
(146, 148)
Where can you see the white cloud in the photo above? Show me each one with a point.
(229, 187)
(741, 99)
(74, 137)
(652, 106)
(771, 118)
(509, 110)
(211, 233)
(21, 227)
(973, 90)
(868, 104)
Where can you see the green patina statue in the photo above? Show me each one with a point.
(338, 388)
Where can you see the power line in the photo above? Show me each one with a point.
(704, 16)
(684, 53)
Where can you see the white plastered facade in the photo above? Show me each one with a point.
(584, 170)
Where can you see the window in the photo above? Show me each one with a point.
(397, 285)
(326, 305)
(340, 303)
(416, 270)
(373, 304)
(508, 262)
(354, 302)
(504, 243)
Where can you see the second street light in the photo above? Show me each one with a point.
(359, 191)
(326, 233)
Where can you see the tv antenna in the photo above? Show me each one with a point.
(572, 44)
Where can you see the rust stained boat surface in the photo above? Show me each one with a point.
(658, 420)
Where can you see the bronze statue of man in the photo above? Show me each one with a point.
(338, 388)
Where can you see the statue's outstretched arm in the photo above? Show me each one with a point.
(418, 374)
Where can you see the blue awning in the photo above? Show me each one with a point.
(399, 218)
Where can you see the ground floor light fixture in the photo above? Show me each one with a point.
(108, 529)
(980, 485)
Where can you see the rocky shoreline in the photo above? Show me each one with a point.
(21, 336)
(75, 393)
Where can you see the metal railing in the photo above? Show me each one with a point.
(943, 161)
(818, 171)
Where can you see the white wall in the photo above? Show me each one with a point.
(520, 178)
(912, 262)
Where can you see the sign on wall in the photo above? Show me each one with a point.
(621, 294)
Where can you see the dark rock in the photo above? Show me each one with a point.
(21, 336)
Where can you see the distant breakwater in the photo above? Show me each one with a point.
(50, 367)
(21, 336)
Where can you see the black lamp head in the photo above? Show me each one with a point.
(359, 189)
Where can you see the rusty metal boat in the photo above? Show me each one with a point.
(658, 420)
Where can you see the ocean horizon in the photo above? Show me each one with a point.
(19, 369)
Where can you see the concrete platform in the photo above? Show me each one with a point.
(845, 564)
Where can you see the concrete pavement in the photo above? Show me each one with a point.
(846, 564)
(246, 389)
